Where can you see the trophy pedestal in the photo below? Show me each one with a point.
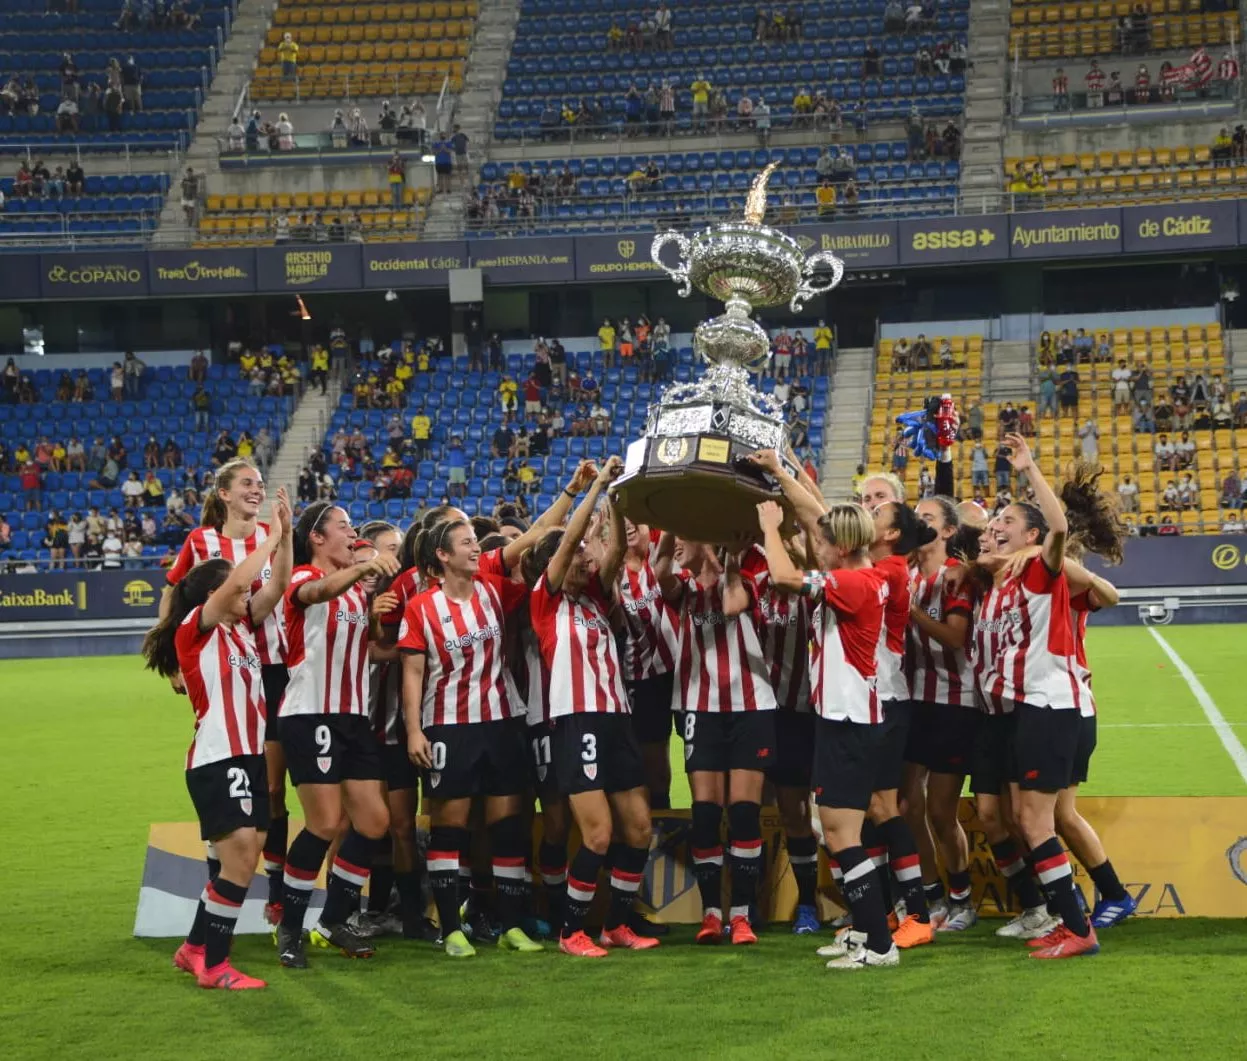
(698, 488)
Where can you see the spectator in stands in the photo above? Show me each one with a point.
(978, 465)
(1115, 94)
(357, 129)
(444, 164)
(1144, 420)
(132, 85)
(921, 354)
(1128, 494)
(1222, 416)
(1232, 524)
(1060, 90)
(201, 404)
(1222, 146)
(1231, 491)
(67, 116)
(1089, 441)
(1094, 82)
(1142, 85)
(1068, 392)
(1188, 493)
(459, 142)
(1121, 388)
(134, 369)
(288, 54)
(285, 133)
(151, 453)
(1166, 454)
(153, 490)
(1184, 451)
(893, 17)
(1227, 72)
(700, 89)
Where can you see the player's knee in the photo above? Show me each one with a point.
(374, 822)
(596, 836)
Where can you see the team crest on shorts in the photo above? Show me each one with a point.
(435, 779)
(591, 771)
(541, 772)
(245, 803)
(324, 762)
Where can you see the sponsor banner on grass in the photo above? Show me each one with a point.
(312, 267)
(859, 244)
(93, 275)
(1178, 857)
(1194, 560)
(56, 595)
(526, 261)
(618, 257)
(423, 264)
(222, 272)
(939, 240)
(1065, 233)
(1179, 226)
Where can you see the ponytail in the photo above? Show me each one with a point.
(430, 540)
(534, 562)
(313, 516)
(215, 510)
(913, 533)
(1095, 523)
(409, 551)
(158, 648)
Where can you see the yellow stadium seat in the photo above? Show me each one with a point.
(1125, 159)
(1182, 156)
(1203, 155)
(1164, 157)
(1104, 159)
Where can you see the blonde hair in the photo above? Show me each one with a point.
(898, 487)
(848, 526)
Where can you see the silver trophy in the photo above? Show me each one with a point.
(688, 474)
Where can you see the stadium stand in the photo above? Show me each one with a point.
(233, 409)
(1048, 30)
(366, 215)
(473, 412)
(708, 183)
(360, 50)
(110, 205)
(566, 51)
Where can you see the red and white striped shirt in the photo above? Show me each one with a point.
(938, 675)
(1060, 85)
(410, 583)
(1024, 643)
(1094, 80)
(649, 625)
(204, 543)
(466, 679)
(1227, 69)
(385, 702)
(327, 651)
(783, 623)
(890, 681)
(847, 624)
(1081, 608)
(221, 668)
(720, 666)
(579, 648)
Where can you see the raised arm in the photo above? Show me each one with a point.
(552, 517)
(616, 545)
(383, 565)
(784, 573)
(1053, 552)
(579, 523)
(1101, 592)
(736, 598)
(664, 563)
(807, 502)
(218, 606)
(269, 597)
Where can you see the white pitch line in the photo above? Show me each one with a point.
(1229, 739)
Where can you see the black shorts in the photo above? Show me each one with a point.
(991, 764)
(896, 717)
(274, 678)
(541, 760)
(1086, 747)
(596, 752)
(718, 741)
(400, 772)
(477, 759)
(229, 794)
(1045, 743)
(847, 757)
(942, 736)
(794, 750)
(650, 701)
(328, 749)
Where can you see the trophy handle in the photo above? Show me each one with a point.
(810, 284)
(680, 272)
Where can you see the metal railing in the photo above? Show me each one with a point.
(310, 146)
(671, 130)
(1130, 105)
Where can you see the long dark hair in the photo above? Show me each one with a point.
(430, 540)
(1095, 523)
(913, 532)
(534, 562)
(309, 523)
(198, 585)
(408, 551)
(1033, 518)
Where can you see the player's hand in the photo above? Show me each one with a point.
(383, 565)
(419, 750)
(585, 473)
(281, 512)
(770, 515)
(178, 684)
(1016, 563)
(611, 470)
(1020, 457)
(766, 459)
(384, 603)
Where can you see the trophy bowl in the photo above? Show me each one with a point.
(689, 474)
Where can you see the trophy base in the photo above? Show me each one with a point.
(706, 495)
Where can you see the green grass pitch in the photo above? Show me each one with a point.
(92, 754)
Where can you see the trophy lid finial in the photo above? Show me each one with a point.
(755, 201)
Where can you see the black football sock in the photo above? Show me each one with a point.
(959, 886)
(195, 937)
(707, 851)
(803, 857)
(445, 843)
(303, 862)
(1057, 875)
(347, 877)
(1013, 868)
(625, 878)
(552, 859)
(865, 898)
(934, 892)
(214, 863)
(381, 880)
(904, 863)
(410, 902)
(745, 852)
(275, 855)
(877, 850)
(1106, 882)
(511, 877)
(222, 901)
(582, 886)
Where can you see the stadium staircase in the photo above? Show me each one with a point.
(234, 70)
(848, 419)
(1238, 365)
(1008, 372)
(477, 107)
(982, 160)
(304, 434)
